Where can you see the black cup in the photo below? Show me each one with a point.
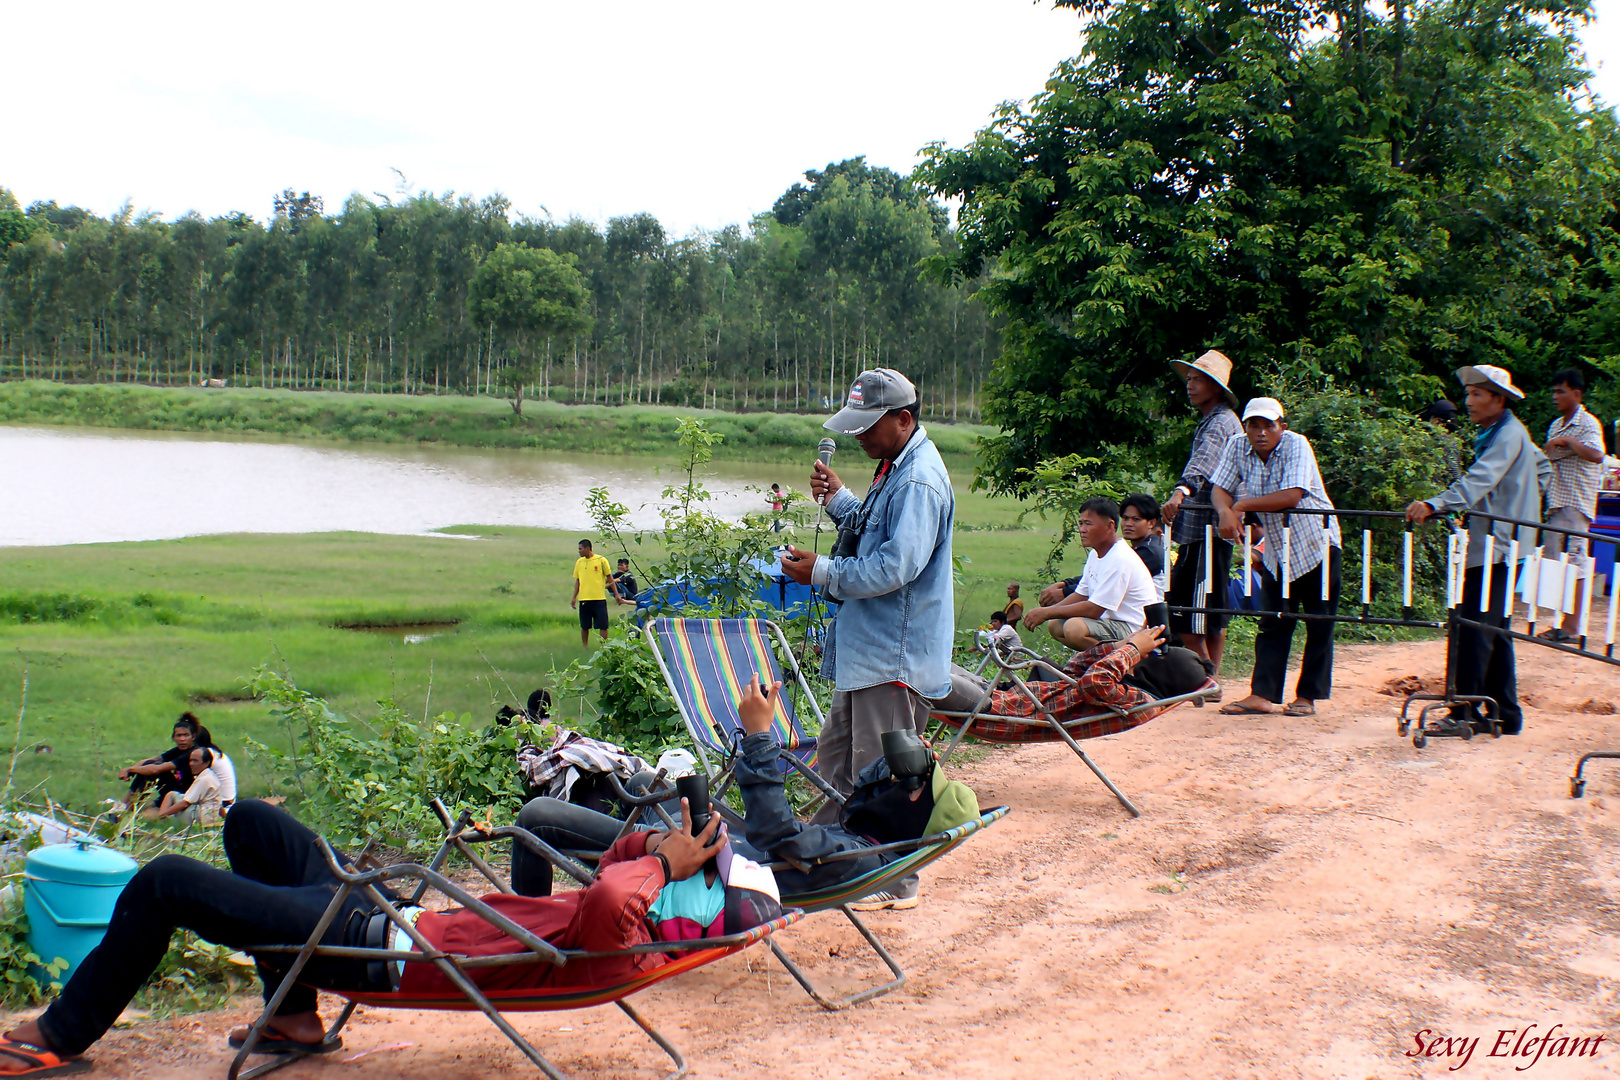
(695, 790)
(906, 754)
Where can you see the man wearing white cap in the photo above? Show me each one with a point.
(1209, 390)
(889, 648)
(1509, 477)
(1269, 472)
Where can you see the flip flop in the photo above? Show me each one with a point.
(273, 1042)
(1557, 635)
(1301, 708)
(42, 1062)
(1237, 708)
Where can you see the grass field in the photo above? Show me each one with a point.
(134, 634)
(450, 420)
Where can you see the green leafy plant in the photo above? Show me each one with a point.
(20, 967)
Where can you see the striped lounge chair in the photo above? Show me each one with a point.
(492, 1003)
(707, 662)
(1044, 726)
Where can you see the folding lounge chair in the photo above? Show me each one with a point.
(707, 662)
(1044, 726)
(455, 967)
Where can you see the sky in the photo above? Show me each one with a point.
(701, 113)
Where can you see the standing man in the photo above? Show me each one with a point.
(1508, 477)
(1575, 451)
(1268, 473)
(888, 650)
(1209, 390)
(1110, 601)
(592, 580)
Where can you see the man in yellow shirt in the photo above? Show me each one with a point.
(592, 580)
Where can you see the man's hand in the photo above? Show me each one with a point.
(684, 852)
(796, 563)
(573, 603)
(1231, 524)
(1147, 639)
(1172, 506)
(1034, 618)
(1419, 511)
(757, 707)
(1052, 594)
(824, 483)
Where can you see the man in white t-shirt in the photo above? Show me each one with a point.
(1110, 601)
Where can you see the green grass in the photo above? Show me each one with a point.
(450, 420)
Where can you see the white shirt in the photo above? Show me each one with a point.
(226, 772)
(1120, 584)
(204, 795)
(1007, 635)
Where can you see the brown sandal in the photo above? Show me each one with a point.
(1301, 708)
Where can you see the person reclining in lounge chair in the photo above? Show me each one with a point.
(652, 886)
(881, 810)
(1114, 675)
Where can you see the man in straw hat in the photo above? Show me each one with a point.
(1209, 389)
(1509, 476)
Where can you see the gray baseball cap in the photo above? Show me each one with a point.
(871, 397)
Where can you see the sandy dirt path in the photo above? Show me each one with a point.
(1300, 899)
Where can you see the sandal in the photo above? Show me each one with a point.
(272, 1041)
(1557, 635)
(1237, 708)
(41, 1062)
(1301, 708)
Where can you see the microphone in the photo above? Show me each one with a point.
(824, 452)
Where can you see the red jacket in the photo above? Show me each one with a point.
(610, 914)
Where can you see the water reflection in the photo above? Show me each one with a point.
(73, 486)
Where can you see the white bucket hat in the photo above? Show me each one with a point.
(1497, 378)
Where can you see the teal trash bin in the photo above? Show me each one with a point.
(68, 894)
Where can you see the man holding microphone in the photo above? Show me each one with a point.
(888, 650)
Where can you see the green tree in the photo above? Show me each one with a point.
(1412, 190)
(530, 293)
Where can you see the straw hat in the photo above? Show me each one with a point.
(1489, 375)
(1216, 367)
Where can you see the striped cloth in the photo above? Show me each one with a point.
(709, 661)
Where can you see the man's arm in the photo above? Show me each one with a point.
(1104, 681)
(1071, 606)
(573, 601)
(1472, 486)
(1574, 446)
(913, 536)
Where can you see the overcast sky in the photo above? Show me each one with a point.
(701, 113)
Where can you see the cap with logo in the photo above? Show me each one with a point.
(871, 397)
(1266, 408)
(1490, 376)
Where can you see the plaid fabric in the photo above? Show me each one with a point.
(1575, 481)
(1208, 441)
(1085, 709)
(572, 754)
(1292, 465)
(709, 662)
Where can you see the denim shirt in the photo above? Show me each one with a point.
(1509, 477)
(897, 615)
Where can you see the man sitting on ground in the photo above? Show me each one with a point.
(1139, 524)
(170, 771)
(1110, 600)
(203, 802)
(651, 887)
(1000, 630)
(877, 812)
(1111, 678)
(624, 583)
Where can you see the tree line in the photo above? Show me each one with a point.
(380, 297)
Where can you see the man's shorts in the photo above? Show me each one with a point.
(1187, 586)
(1567, 517)
(593, 615)
(1107, 629)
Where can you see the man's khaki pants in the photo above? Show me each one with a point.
(853, 737)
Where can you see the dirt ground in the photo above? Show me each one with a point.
(1301, 898)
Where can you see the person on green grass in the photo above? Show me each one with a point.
(593, 580)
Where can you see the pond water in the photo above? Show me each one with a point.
(79, 486)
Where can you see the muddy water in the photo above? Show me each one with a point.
(73, 486)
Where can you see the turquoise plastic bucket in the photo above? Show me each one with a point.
(68, 895)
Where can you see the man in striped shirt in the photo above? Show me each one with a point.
(1575, 449)
(1270, 472)
(1209, 391)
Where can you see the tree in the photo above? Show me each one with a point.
(1374, 206)
(528, 291)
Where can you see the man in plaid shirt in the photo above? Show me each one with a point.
(1575, 449)
(1109, 680)
(1270, 472)
(1209, 391)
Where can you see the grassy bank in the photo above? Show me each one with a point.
(449, 420)
(119, 639)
